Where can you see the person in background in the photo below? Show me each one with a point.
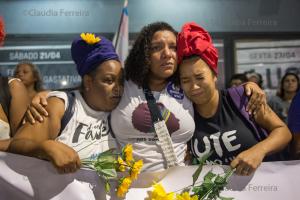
(77, 125)
(237, 79)
(289, 86)
(29, 74)
(294, 126)
(222, 126)
(255, 77)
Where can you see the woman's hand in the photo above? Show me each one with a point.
(64, 158)
(248, 161)
(257, 97)
(37, 110)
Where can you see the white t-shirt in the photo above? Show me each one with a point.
(131, 123)
(4, 126)
(87, 131)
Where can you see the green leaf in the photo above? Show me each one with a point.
(107, 187)
(205, 157)
(108, 173)
(197, 173)
(199, 169)
(196, 189)
(225, 198)
(220, 180)
(106, 165)
(228, 173)
(209, 176)
(106, 159)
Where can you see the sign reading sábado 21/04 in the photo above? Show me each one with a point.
(54, 62)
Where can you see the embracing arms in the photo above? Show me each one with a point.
(38, 140)
(279, 136)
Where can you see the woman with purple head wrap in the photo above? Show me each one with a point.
(86, 133)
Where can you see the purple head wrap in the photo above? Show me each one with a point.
(88, 56)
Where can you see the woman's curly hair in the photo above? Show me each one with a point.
(137, 64)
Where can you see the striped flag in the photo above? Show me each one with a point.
(120, 39)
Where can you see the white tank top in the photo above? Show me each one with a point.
(4, 130)
(87, 132)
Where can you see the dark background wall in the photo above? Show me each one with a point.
(61, 16)
(51, 22)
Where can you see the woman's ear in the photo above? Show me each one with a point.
(215, 80)
(87, 82)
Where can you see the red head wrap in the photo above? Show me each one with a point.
(2, 31)
(194, 40)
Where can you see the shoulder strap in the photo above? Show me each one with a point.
(110, 127)
(69, 111)
(151, 102)
(240, 100)
(5, 95)
(161, 130)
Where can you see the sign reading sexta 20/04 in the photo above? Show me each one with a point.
(272, 59)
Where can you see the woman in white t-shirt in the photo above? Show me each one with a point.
(86, 134)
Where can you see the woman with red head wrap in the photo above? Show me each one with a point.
(222, 126)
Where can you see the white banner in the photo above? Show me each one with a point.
(29, 178)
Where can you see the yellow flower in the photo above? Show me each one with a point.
(186, 196)
(159, 193)
(136, 168)
(123, 187)
(121, 164)
(89, 38)
(128, 154)
(121, 192)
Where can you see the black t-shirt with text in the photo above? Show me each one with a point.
(226, 133)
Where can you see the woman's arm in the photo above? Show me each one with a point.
(38, 140)
(18, 104)
(248, 161)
